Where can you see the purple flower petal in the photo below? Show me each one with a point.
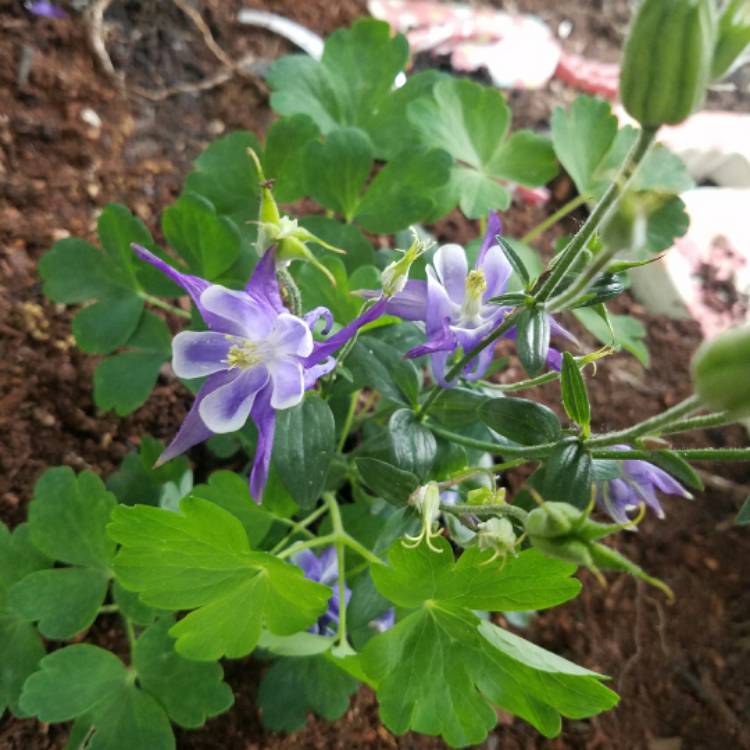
(291, 337)
(323, 349)
(46, 9)
(497, 270)
(557, 330)
(438, 361)
(451, 267)
(196, 354)
(264, 417)
(314, 373)
(411, 302)
(237, 313)
(193, 429)
(494, 227)
(615, 498)
(479, 365)
(263, 284)
(193, 285)
(227, 407)
(554, 359)
(309, 562)
(287, 383)
(316, 314)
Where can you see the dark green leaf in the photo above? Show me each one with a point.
(64, 601)
(336, 169)
(386, 481)
(743, 516)
(412, 444)
(304, 446)
(291, 688)
(568, 475)
(208, 241)
(132, 607)
(376, 364)
(457, 407)
(104, 326)
(402, 193)
(522, 421)
(628, 332)
(514, 259)
(532, 340)
(189, 691)
(123, 382)
(286, 140)
(574, 394)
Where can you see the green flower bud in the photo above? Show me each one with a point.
(396, 274)
(552, 520)
(486, 496)
(733, 37)
(666, 65)
(426, 501)
(721, 371)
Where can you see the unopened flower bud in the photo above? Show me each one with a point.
(396, 274)
(721, 371)
(498, 535)
(426, 501)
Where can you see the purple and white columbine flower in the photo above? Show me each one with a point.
(637, 483)
(256, 357)
(454, 305)
(324, 569)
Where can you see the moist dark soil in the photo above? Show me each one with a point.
(682, 670)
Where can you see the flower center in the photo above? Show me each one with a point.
(244, 354)
(476, 286)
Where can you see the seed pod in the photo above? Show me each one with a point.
(667, 61)
(552, 520)
(569, 550)
(721, 371)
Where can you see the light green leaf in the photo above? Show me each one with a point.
(231, 492)
(628, 332)
(189, 691)
(353, 78)
(131, 606)
(286, 140)
(442, 670)
(21, 649)
(118, 229)
(208, 241)
(18, 557)
(471, 123)
(528, 581)
(298, 644)
(291, 688)
(65, 601)
(106, 325)
(304, 445)
(336, 169)
(199, 559)
(68, 518)
(123, 382)
(582, 135)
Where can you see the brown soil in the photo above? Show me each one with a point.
(681, 670)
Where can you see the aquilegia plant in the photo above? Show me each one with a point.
(352, 524)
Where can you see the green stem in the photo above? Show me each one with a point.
(130, 633)
(716, 419)
(346, 429)
(689, 454)
(652, 426)
(530, 453)
(156, 302)
(601, 211)
(361, 550)
(550, 221)
(507, 323)
(339, 532)
(299, 527)
(107, 609)
(498, 509)
(318, 541)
